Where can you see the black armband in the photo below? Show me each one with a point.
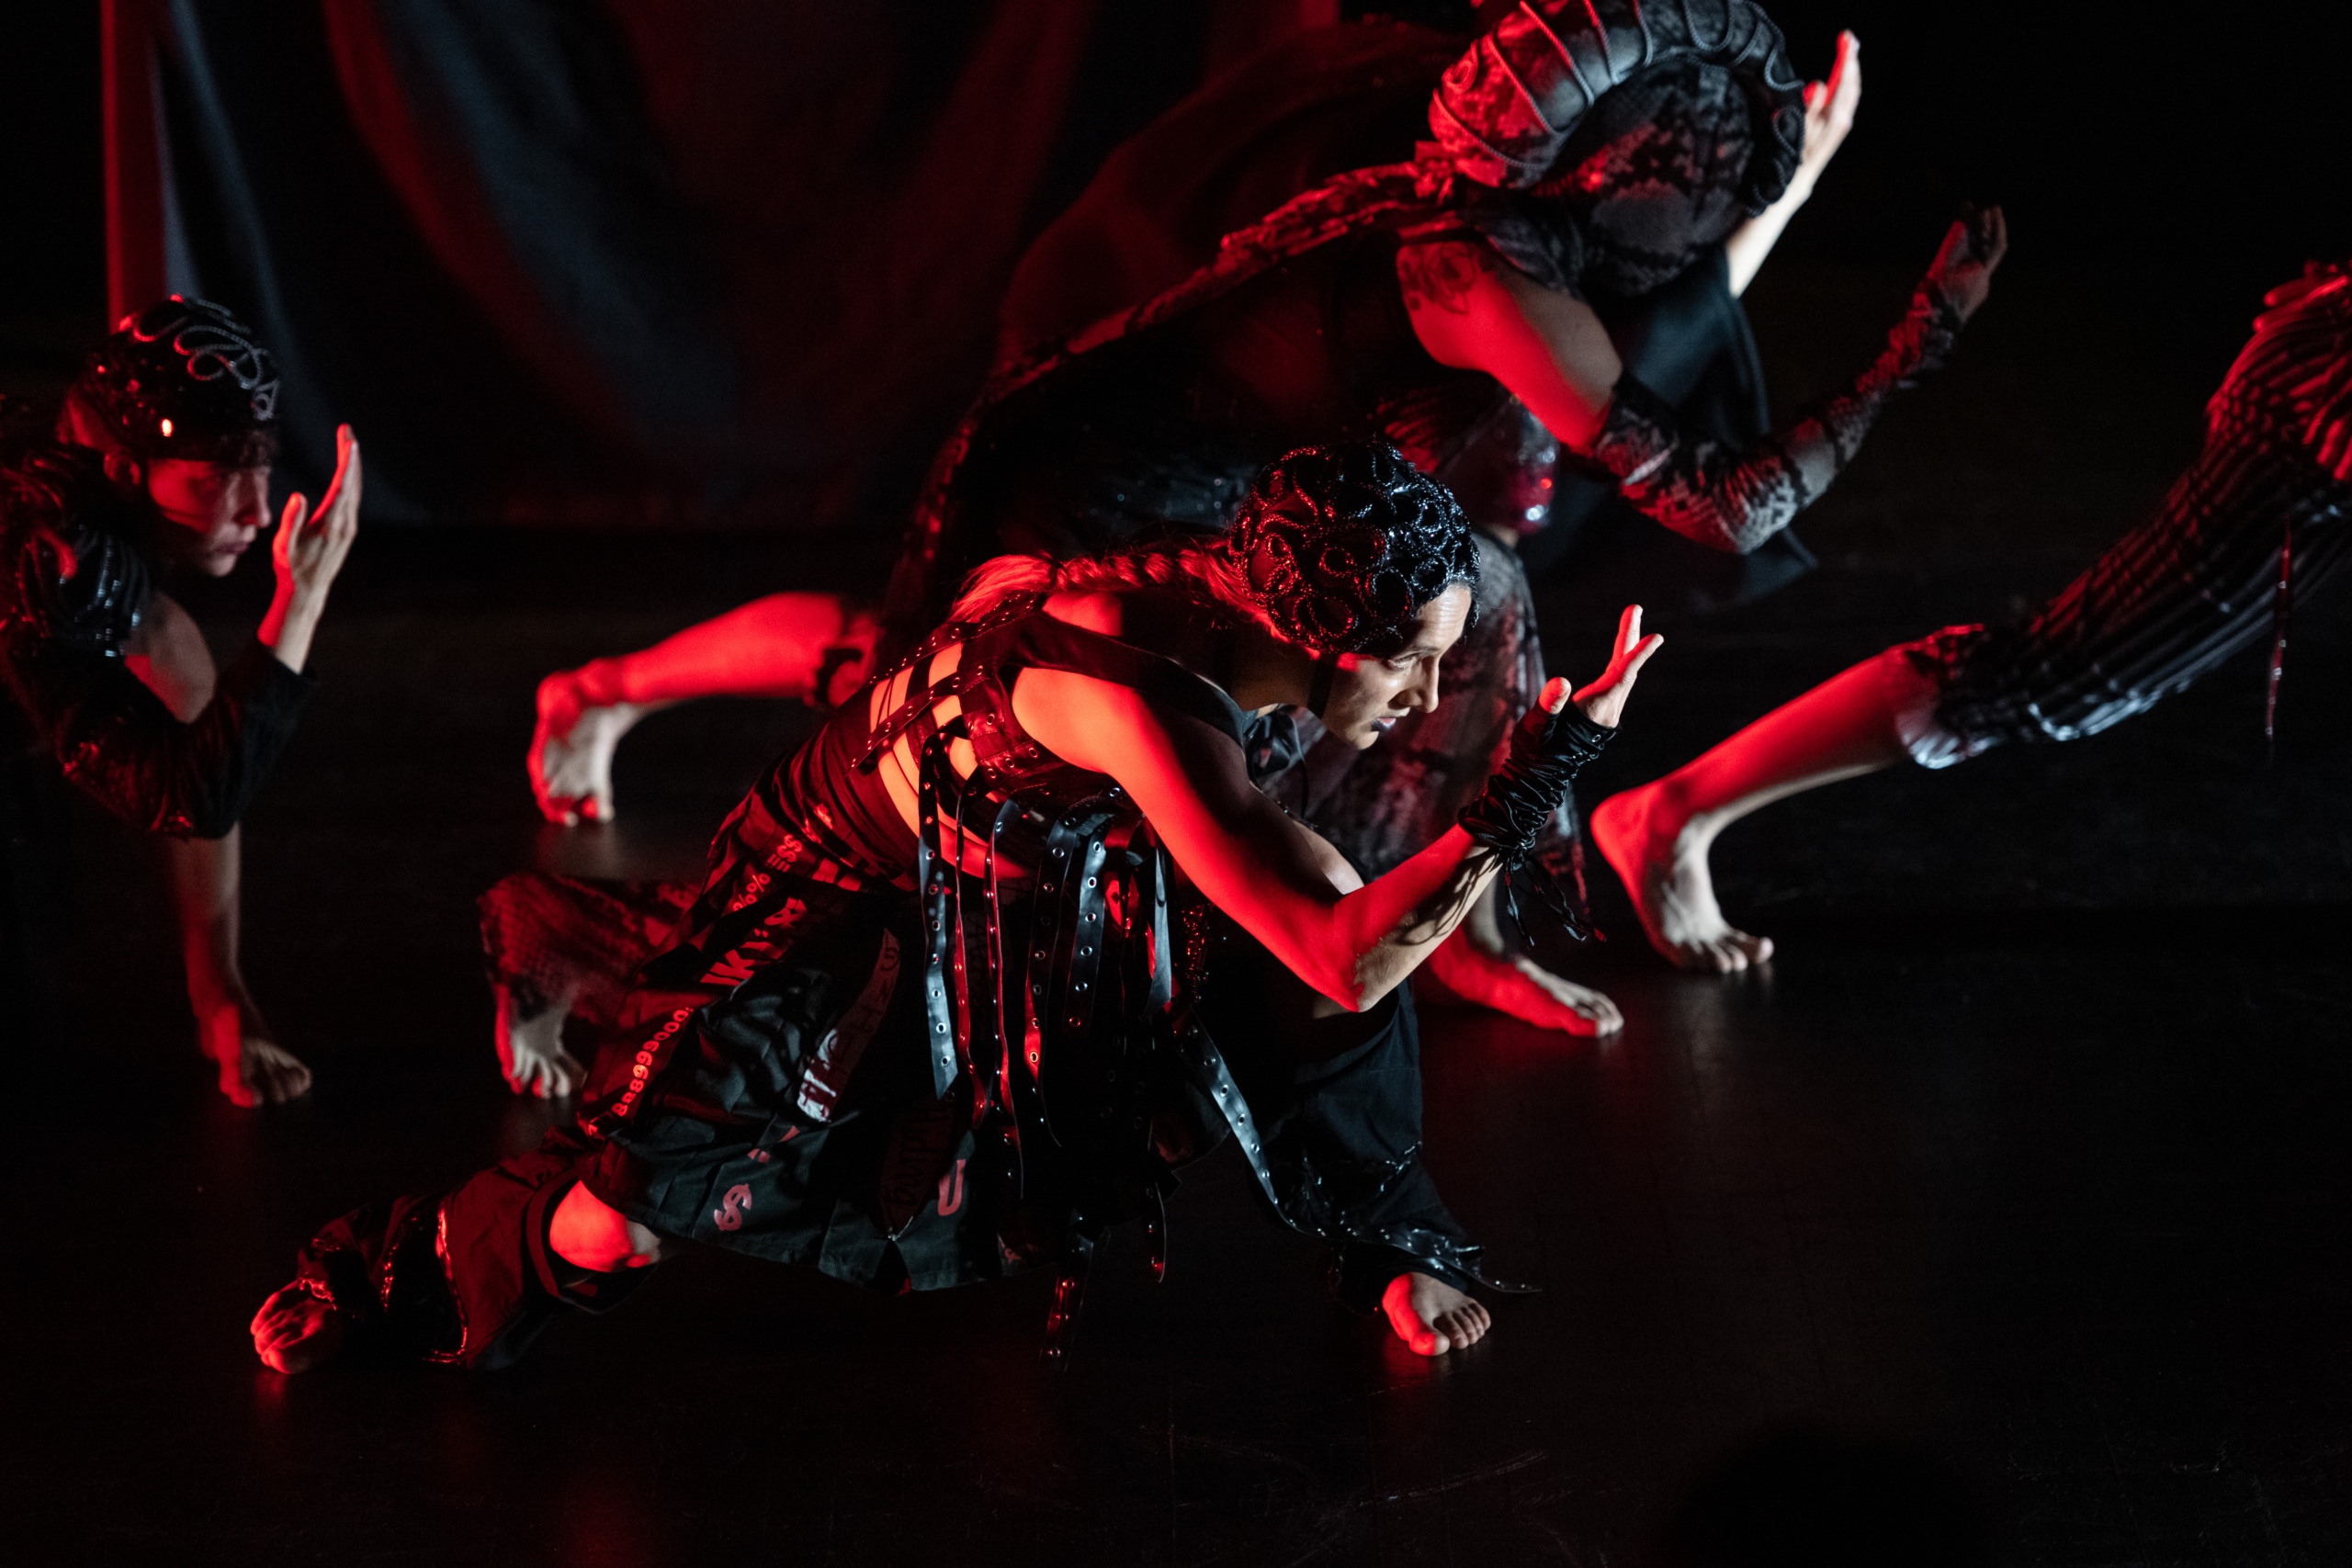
(1547, 751)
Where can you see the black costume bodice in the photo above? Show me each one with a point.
(1168, 425)
(1062, 973)
(832, 787)
(73, 587)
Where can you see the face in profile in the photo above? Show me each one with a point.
(209, 514)
(1370, 693)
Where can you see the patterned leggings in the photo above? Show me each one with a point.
(2162, 607)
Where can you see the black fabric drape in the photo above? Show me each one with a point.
(641, 261)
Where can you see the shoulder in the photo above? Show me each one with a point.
(1442, 271)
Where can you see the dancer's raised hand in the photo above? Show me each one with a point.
(308, 552)
(1603, 701)
(1829, 111)
(310, 548)
(1964, 263)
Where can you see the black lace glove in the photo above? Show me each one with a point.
(1547, 751)
(1734, 501)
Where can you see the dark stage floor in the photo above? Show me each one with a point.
(2003, 1219)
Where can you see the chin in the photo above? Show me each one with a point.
(219, 564)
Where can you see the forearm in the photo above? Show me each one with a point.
(203, 875)
(287, 629)
(1753, 240)
(1399, 930)
(1734, 500)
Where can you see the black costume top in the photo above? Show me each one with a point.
(907, 1066)
(71, 591)
(1019, 1095)
(1228, 337)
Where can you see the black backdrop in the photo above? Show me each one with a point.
(734, 262)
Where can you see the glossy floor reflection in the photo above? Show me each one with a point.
(1910, 1211)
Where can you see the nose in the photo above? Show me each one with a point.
(253, 510)
(1422, 692)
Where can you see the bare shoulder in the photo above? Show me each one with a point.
(1473, 311)
(1107, 727)
(1443, 274)
(167, 652)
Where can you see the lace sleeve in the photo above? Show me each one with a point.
(1734, 500)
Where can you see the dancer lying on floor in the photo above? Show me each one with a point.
(161, 463)
(1479, 301)
(2263, 517)
(1014, 936)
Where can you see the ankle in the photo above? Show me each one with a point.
(601, 683)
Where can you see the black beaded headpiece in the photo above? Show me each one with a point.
(1341, 545)
(184, 378)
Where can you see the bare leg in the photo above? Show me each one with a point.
(774, 647)
(530, 1050)
(1657, 835)
(1432, 1317)
(1478, 965)
(203, 874)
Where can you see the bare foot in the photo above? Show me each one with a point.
(531, 1052)
(572, 750)
(1432, 1317)
(254, 1069)
(294, 1331)
(1516, 987)
(1664, 866)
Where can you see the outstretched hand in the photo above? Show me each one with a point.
(1604, 701)
(1830, 110)
(1964, 263)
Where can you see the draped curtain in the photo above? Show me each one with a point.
(721, 262)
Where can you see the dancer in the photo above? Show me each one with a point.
(1447, 304)
(2259, 518)
(1012, 937)
(161, 463)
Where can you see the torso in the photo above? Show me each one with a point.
(859, 793)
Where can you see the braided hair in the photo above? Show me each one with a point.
(1336, 549)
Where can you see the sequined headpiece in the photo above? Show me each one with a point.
(1341, 545)
(184, 378)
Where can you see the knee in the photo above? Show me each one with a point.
(588, 1233)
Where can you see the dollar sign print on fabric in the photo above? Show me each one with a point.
(729, 1214)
